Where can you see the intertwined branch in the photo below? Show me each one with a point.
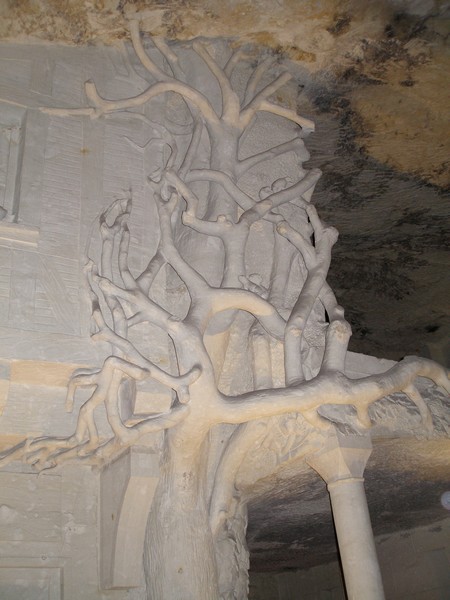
(121, 300)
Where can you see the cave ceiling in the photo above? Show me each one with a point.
(374, 77)
(290, 522)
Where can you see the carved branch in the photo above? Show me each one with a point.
(243, 200)
(306, 124)
(295, 145)
(146, 278)
(234, 238)
(241, 441)
(101, 106)
(119, 211)
(249, 111)
(302, 309)
(192, 202)
(196, 284)
(337, 339)
(168, 54)
(307, 251)
(255, 79)
(146, 61)
(196, 97)
(192, 150)
(276, 199)
(234, 60)
(128, 280)
(149, 310)
(208, 301)
(332, 388)
(230, 100)
(339, 331)
(240, 197)
(317, 261)
(245, 300)
(260, 103)
(49, 452)
(174, 63)
(85, 441)
(218, 228)
(134, 357)
(283, 257)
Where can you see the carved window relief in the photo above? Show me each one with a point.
(12, 144)
(11, 137)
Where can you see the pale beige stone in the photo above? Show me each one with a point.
(33, 372)
(4, 389)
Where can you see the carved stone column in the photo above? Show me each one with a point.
(127, 486)
(341, 463)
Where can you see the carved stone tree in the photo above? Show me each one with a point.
(195, 541)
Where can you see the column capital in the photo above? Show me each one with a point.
(341, 457)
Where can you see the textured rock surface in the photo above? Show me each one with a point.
(291, 524)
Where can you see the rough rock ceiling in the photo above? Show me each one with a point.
(375, 75)
(291, 524)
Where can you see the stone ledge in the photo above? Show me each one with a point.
(15, 234)
(37, 372)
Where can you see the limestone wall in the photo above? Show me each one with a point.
(56, 176)
(49, 536)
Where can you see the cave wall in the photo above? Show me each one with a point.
(49, 536)
(415, 565)
(56, 177)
